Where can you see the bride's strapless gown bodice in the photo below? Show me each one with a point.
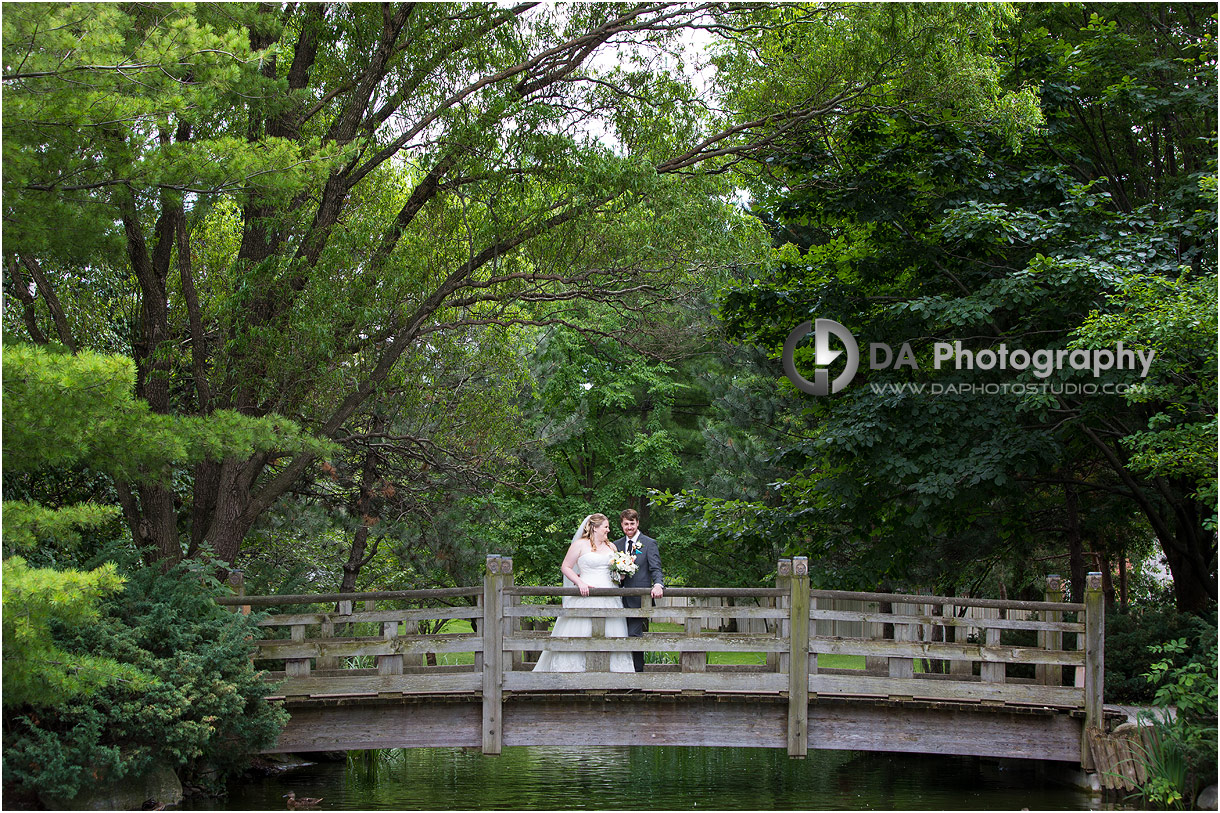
(594, 570)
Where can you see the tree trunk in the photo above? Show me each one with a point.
(161, 516)
(1194, 589)
(1076, 565)
(355, 560)
(231, 518)
(1107, 580)
(1122, 582)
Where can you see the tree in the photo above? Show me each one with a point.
(932, 230)
(606, 423)
(380, 175)
(64, 410)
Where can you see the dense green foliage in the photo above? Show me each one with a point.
(86, 402)
(606, 424)
(65, 410)
(200, 709)
(38, 671)
(308, 213)
(1129, 659)
(314, 209)
(107, 673)
(350, 295)
(927, 229)
(1181, 760)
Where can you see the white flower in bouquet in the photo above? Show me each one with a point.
(622, 564)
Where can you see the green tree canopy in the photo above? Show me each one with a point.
(298, 199)
(925, 230)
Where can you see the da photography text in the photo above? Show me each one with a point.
(881, 356)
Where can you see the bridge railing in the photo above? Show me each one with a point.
(925, 648)
(356, 647)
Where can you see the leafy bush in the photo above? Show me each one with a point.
(1129, 638)
(202, 715)
(1182, 757)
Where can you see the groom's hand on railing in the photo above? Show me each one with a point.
(658, 591)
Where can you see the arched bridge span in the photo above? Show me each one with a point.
(944, 675)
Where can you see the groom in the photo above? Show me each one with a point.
(649, 573)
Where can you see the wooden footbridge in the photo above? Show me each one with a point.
(1023, 680)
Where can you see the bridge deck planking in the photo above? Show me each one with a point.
(753, 721)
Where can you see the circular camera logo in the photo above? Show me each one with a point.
(822, 330)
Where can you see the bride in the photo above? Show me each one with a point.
(587, 564)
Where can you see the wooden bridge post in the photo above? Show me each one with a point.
(813, 630)
(798, 660)
(901, 667)
(493, 654)
(237, 582)
(411, 628)
(875, 631)
(783, 580)
(961, 635)
(297, 667)
(512, 624)
(992, 671)
(389, 664)
(1049, 674)
(597, 661)
(1094, 663)
(693, 661)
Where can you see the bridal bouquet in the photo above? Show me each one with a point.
(622, 564)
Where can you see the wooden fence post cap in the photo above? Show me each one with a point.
(1054, 582)
(1093, 581)
(784, 568)
(506, 564)
(493, 563)
(800, 566)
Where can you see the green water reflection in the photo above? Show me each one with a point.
(553, 778)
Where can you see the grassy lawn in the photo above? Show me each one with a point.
(758, 658)
(452, 627)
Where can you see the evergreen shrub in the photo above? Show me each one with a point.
(202, 716)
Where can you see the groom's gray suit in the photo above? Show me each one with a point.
(648, 558)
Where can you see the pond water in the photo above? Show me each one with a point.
(658, 778)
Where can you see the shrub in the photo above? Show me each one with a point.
(201, 716)
(1129, 638)
(1182, 756)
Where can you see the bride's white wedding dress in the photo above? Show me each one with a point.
(594, 569)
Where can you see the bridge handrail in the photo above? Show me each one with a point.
(960, 601)
(691, 592)
(324, 598)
